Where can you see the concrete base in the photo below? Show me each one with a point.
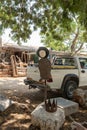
(46, 120)
(53, 121)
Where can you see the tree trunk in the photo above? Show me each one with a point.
(74, 41)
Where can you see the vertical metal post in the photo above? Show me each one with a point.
(45, 93)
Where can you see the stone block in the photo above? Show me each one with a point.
(68, 106)
(4, 102)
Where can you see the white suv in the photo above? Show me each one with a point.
(68, 73)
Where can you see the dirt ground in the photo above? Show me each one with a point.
(18, 115)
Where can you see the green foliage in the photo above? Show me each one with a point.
(54, 16)
(15, 15)
(53, 43)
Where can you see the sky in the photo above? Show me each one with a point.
(34, 40)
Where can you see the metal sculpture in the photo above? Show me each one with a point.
(45, 74)
(51, 106)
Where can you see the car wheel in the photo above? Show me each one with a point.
(70, 86)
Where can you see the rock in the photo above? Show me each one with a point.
(79, 96)
(4, 102)
(47, 120)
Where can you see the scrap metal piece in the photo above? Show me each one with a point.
(50, 106)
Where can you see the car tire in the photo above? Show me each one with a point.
(45, 49)
(70, 86)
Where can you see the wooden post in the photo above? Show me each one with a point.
(13, 63)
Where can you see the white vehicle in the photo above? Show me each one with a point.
(68, 73)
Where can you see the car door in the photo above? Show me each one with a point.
(83, 71)
(62, 66)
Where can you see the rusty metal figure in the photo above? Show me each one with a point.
(45, 74)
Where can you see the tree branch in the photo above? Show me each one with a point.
(79, 48)
(74, 41)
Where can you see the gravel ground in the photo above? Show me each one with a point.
(14, 84)
(18, 116)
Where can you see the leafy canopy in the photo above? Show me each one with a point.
(54, 16)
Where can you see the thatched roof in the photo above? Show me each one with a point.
(17, 48)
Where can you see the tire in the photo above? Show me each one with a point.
(45, 49)
(70, 86)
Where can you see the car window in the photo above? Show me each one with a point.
(69, 62)
(58, 61)
(83, 63)
(64, 61)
